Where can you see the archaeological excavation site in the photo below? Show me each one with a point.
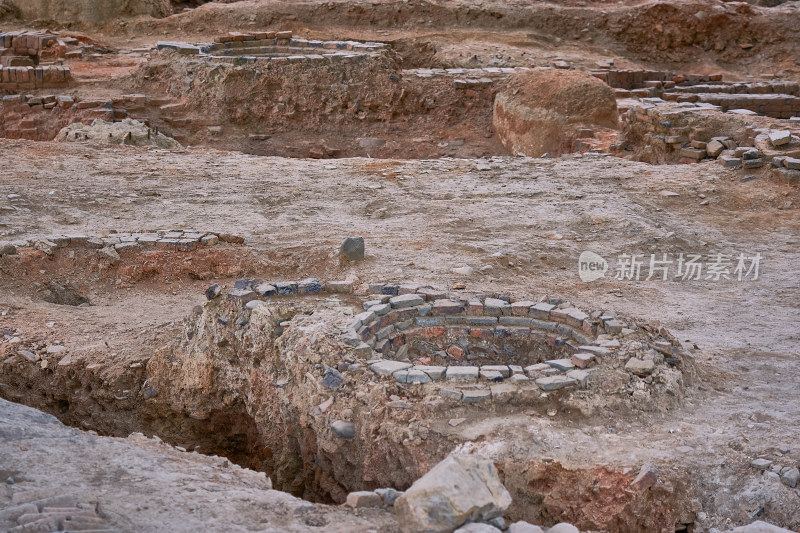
(400, 266)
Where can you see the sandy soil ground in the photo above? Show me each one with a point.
(520, 223)
(420, 219)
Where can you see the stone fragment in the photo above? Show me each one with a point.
(380, 309)
(364, 498)
(387, 367)
(350, 338)
(459, 489)
(209, 240)
(714, 148)
(561, 364)
(243, 283)
(342, 287)
(447, 307)
(541, 311)
(453, 394)
(213, 291)
(502, 369)
(495, 307)
(640, 367)
(761, 464)
(285, 288)
(491, 375)
(388, 495)
(475, 527)
(411, 376)
(780, 137)
(406, 300)
(110, 254)
(435, 372)
(648, 476)
(344, 430)
(352, 249)
(462, 373)
(476, 395)
(551, 383)
(730, 161)
(254, 303)
(792, 163)
(503, 391)
(613, 327)
(563, 527)
(693, 153)
(265, 290)
(463, 271)
(7, 248)
(524, 527)
(309, 286)
(759, 527)
(582, 360)
(332, 379)
(230, 238)
(791, 477)
(30, 356)
(749, 153)
(390, 290)
(242, 295)
(580, 376)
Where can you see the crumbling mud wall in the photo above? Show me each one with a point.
(280, 92)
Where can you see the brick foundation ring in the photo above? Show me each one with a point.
(468, 349)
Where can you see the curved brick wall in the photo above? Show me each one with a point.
(482, 348)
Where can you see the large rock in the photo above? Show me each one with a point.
(459, 489)
(541, 111)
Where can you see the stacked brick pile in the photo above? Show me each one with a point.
(771, 105)
(631, 80)
(31, 44)
(14, 78)
(42, 117)
(685, 130)
(21, 52)
(777, 99)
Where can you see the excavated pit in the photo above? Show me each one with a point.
(261, 374)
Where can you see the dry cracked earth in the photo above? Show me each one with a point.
(83, 428)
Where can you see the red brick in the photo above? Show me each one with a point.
(456, 351)
(480, 333)
(433, 332)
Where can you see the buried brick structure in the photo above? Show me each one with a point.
(329, 392)
(277, 46)
(22, 55)
(331, 383)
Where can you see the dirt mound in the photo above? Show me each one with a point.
(90, 11)
(130, 132)
(540, 111)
